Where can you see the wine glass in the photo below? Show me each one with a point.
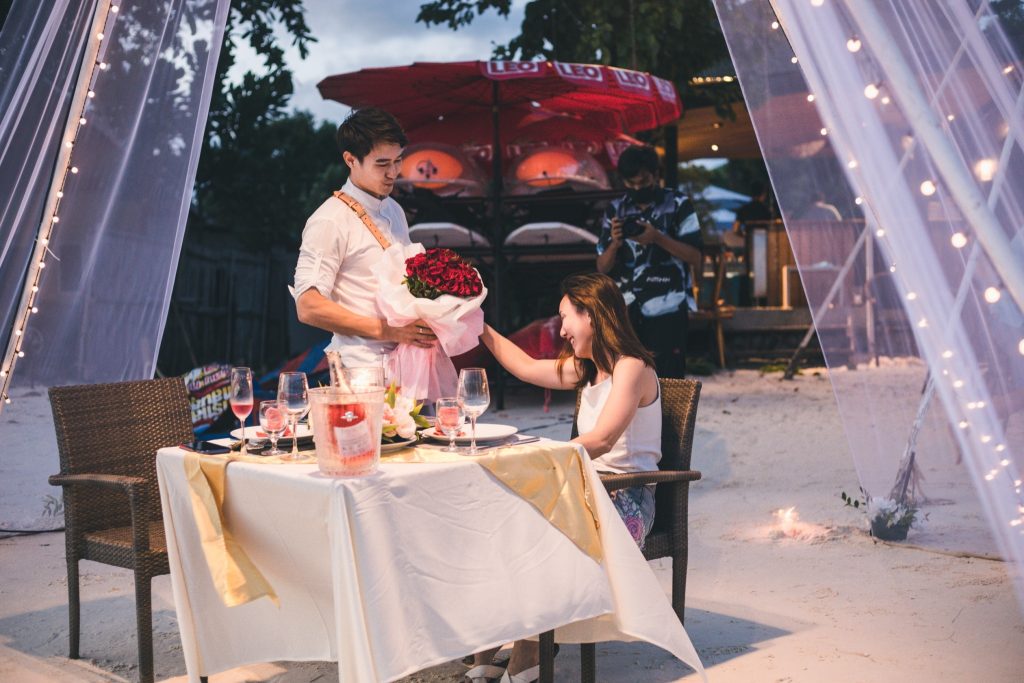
(241, 397)
(273, 420)
(449, 420)
(293, 393)
(474, 396)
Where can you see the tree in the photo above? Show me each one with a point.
(262, 171)
(673, 40)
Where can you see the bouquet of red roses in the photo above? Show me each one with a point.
(441, 288)
(441, 271)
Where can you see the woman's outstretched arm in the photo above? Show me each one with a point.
(543, 373)
(631, 380)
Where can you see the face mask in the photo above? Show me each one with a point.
(643, 195)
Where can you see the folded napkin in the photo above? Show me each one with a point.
(549, 476)
(234, 575)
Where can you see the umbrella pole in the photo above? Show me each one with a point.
(497, 234)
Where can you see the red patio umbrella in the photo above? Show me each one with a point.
(510, 103)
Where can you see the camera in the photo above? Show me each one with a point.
(631, 226)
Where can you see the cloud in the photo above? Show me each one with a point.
(357, 34)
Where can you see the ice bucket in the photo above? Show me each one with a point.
(346, 429)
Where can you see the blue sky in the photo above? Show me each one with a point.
(356, 34)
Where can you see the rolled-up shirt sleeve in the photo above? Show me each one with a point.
(320, 258)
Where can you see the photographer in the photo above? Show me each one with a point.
(651, 245)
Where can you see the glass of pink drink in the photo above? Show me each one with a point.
(241, 397)
(449, 421)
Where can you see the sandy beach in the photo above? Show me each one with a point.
(823, 602)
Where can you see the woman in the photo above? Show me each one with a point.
(619, 419)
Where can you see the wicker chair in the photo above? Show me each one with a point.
(107, 436)
(669, 537)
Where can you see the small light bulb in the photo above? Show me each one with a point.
(922, 323)
(992, 295)
(958, 240)
(69, 144)
(853, 44)
(957, 384)
(892, 269)
(911, 296)
(103, 66)
(42, 264)
(714, 148)
(1008, 68)
(1020, 347)
(17, 333)
(1000, 448)
(886, 100)
(858, 200)
(852, 163)
(793, 60)
(963, 424)
(823, 131)
(91, 93)
(775, 25)
(817, 3)
(879, 233)
(35, 288)
(3, 373)
(950, 117)
(81, 121)
(985, 169)
(927, 188)
(1004, 462)
(114, 8)
(44, 241)
(871, 91)
(7, 399)
(947, 354)
(21, 354)
(74, 169)
(810, 98)
(99, 36)
(35, 309)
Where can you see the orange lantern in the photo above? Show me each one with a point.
(547, 168)
(431, 168)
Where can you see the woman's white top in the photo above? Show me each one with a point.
(639, 447)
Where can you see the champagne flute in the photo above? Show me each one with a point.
(450, 418)
(273, 420)
(241, 397)
(293, 393)
(474, 396)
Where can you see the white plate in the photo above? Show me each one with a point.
(258, 433)
(484, 432)
(397, 445)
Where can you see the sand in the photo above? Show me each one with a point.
(824, 603)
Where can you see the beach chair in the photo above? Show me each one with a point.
(669, 536)
(107, 438)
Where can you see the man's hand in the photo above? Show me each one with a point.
(417, 333)
(616, 233)
(648, 236)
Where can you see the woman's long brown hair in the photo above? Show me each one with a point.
(614, 336)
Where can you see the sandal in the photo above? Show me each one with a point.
(525, 676)
(485, 673)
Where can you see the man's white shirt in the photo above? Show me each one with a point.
(339, 258)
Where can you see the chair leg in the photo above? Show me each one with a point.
(74, 607)
(144, 623)
(547, 657)
(588, 662)
(680, 558)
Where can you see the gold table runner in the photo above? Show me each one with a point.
(234, 575)
(548, 476)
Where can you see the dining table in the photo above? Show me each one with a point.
(431, 557)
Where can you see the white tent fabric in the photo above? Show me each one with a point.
(106, 288)
(906, 117)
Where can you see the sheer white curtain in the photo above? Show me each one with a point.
(106, 288)
(908, 116)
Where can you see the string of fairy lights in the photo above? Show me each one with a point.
(65, 167)
(999, 467)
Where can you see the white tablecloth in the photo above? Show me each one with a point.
(413, 566)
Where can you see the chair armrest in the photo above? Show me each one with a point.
(614, 482)
(138, 496)
(105, 480)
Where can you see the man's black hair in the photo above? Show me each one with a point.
(757, 189)
(365, 128)
(637, 159)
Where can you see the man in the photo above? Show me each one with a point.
(756, 210)
(651, 243)
(335, 276)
